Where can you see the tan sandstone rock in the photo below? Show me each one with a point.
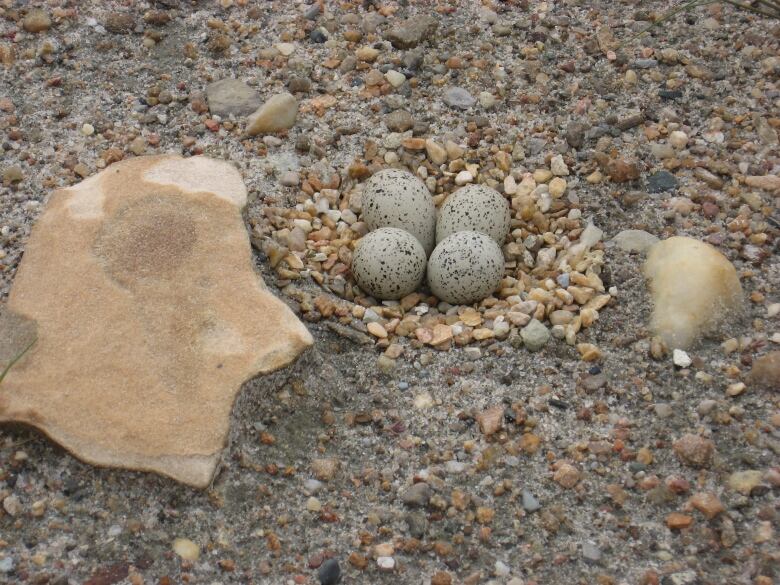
(138, 284)
(695, 290)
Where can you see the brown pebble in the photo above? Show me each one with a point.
(566, 475)
(491, 420)
(325, 469)
(36, 21)
(707, 503)
(694, 450)
(766, 372)
(678, 521)
(441, 578)
(621, 171)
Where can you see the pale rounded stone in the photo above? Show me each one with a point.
(286, 49)
(635, 240)
(678, 139)
(186, 549)
(231, 96)
(166, 317)
(695, 290)
(436, 152)
(278, 113)
(367, 54)
(395, 78)
(557, 187)
(463, 177)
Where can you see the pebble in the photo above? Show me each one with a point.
(278, 113)
(766, 372)
(590, 552)
(407, 34)
(186, 549)
(694, 451)
(286, 49)
(661, 181)
(325, 469)
(12, 505)
(385, 563)
(501, 569)
(707, 503)
(566, 475)
(7, 565)
(558, 166)
(12, 175)
(535, 335)
(231, 97)
(318, 35)
(119, 23)
(491, 420)
(678, 139)
(36, 21)
(395, 78)
(681, 359)
(530, 503)
(290, 179)
(458, 97)
(635, 240)
(436, 152)
(399, 121)
(463, 178)
(417, 496)
(745, 482)
(329, 572)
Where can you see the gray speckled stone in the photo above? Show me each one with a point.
(395, 198)
(232, 96)
(457, 97)
(389, 263)
(475, 208)
(465, 268)
(535, 335)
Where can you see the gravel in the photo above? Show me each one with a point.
(619, 473)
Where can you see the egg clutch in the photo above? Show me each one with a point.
(460, 250)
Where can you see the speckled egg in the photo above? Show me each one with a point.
(389, 263)
(475, 208)
(465, 268)
(395, 198)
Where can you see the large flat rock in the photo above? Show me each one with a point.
(139, 286)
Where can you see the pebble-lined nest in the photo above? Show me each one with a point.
(553, 257)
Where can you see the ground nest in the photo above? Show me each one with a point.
(553, 255)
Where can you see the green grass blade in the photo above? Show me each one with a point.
(16, 359)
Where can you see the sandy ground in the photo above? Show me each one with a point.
(264, 520)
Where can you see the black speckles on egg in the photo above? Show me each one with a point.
(465, 267)
(476, 208)
(389, 263)
(396, 198)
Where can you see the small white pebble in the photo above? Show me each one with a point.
(463, 177)
(285, 49)
(395, 78)
(773, 310)
(386, 563)
(678, 139)
(87, 129)
(680, 358)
